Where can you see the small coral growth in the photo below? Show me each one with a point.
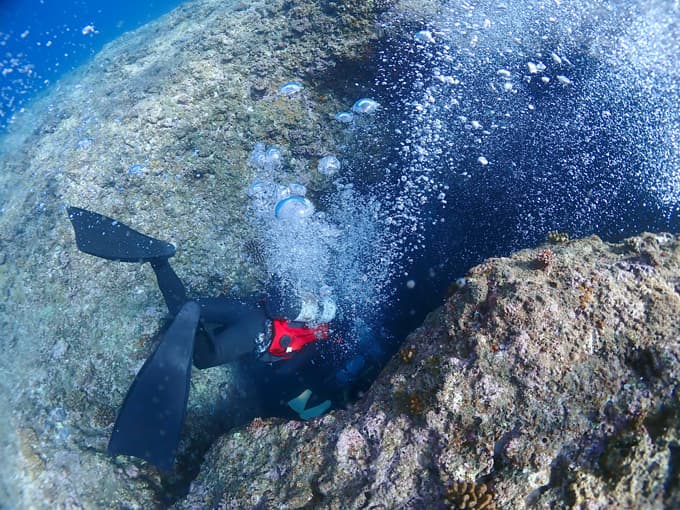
(407, 354)
(556, 237)
(544, 259)
(469, 495)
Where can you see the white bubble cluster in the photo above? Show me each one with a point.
(321, 256)
(537, 101)
(265, 158)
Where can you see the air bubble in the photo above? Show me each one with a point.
(291, 88)
(293, 208)
(365, 106)
(424, 36)
(273, 159)
(298, 189)
(344, 117)
(329, 166)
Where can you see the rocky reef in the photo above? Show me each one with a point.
(154, 131)
(547, 380)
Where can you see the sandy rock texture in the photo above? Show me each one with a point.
(155, 131)
(547, 380)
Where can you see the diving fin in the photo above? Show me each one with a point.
(299, 405)
(109, 239)
(150, 420)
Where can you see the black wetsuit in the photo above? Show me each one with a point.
(231, 328)
(237, 329)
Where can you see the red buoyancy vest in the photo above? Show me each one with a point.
(289, 339)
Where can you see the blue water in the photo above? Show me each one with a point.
(492, 154)
(479, 154)
(40, 40)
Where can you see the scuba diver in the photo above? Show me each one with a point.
(273, 333)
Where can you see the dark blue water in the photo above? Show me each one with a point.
(582, 161)
(40, 40)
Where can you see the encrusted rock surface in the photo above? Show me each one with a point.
(555, 385)
(549, 378)
(154, 131)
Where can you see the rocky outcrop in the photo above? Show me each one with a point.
(547, 379)
(154, 131)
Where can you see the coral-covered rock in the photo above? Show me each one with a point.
(553, 388)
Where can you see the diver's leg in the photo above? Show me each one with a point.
(171, 286)
(244, 324)
(224, 309)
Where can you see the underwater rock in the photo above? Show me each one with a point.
(559, 390)
(177, 95)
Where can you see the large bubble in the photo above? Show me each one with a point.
(293, 208)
